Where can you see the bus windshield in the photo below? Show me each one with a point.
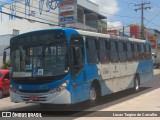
(39, 56)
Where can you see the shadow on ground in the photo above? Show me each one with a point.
(82, 109)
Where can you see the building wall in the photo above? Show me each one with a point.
(7, 26)
(134, 31)
(4, 43)
(126, 30)
(88, 4)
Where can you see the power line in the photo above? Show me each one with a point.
(152, 22)
(156, 15)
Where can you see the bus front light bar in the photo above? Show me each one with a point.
(60, 88)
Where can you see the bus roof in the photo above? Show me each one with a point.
(87, 33)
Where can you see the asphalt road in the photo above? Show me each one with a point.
(146, 99)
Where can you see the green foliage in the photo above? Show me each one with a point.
(5, 66)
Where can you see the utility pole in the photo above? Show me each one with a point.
(142, 7)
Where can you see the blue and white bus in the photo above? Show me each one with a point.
(68, 66)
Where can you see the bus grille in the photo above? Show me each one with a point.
(33, 99)
(37, 80)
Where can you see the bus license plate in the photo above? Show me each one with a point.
(33, 98)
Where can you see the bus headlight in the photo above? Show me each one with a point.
(60, 88)
(13, 89)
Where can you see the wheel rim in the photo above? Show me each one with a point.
(92, 94)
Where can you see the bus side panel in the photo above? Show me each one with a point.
(81, 83)
(77, 94)
(145, 71)
(149, 71)
(106, 87)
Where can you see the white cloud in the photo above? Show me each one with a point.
(114, 25)
(110, 7)
(107, 6)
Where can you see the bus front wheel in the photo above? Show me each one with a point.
(93, 95)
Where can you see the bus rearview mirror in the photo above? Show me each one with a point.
(4, 56)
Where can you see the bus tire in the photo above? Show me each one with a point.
(1, 93)
(93, 95)
(136, 83)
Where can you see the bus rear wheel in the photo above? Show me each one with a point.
(93, 95)
(136, 84)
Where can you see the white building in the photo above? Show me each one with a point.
(87, 11)
(23, 24)
(4, 43)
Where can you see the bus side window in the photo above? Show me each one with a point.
(103, 51)
(148, 52)
(77, 58)
(145, 55)
(122, 51)
(142, 51)
(76, 54)
(114, 51)
(136, 52)
(91, 47)
(129, 52)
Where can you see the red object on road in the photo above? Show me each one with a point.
(4, 82)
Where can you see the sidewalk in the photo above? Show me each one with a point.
(145, 102)
(6, 103)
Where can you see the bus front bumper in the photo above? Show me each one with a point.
(62, 97)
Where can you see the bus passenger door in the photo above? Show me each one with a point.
(76, 65)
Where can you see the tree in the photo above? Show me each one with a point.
(5, 66)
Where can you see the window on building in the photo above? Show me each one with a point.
(80, 15)
(91, 47)
(15, 32)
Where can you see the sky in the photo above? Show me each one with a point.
(122, 12)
